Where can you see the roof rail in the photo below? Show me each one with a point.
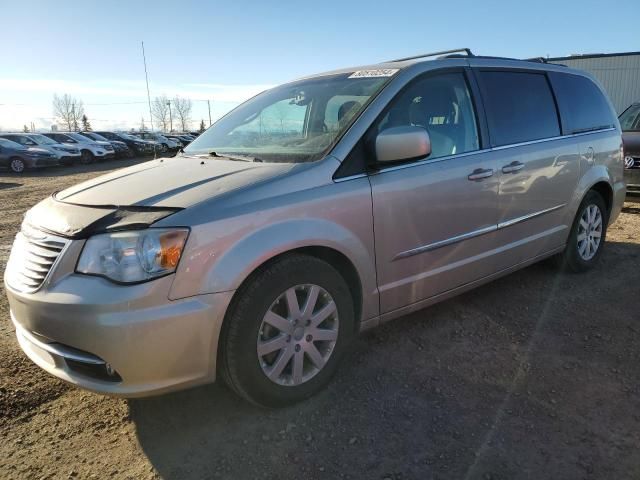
(536, 59)
(434, 54)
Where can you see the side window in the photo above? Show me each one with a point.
(442, 105)
(17, 139)
(519, 106)
(583, 107)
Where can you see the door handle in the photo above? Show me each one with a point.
(513, 167)
(480, 173)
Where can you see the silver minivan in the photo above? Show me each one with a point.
(315, 210)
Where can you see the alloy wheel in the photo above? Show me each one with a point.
(589, 232)
(17, 165)
(297, 335)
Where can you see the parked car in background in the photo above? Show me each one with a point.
(166, 144)
(630, 124)
(194, 134)
(136, 145)
(90, 150)
(311, 212)
(121, 149)
(184, 139)
(66, 154)
(174, 139)
(18, 158)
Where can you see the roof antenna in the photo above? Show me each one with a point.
(146, 77)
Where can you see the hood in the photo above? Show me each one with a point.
(102, 142)
(176, 182)
(631, 141)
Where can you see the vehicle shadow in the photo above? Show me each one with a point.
(632, 208)
(7, 185)
(483, 385)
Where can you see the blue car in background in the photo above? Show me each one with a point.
(18, 158)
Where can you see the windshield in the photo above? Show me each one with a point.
(128, 137)
(95, 136)
(42, 140)
(630, 118)
(296, 122)
(78, 137)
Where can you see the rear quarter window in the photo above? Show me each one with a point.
(519, 105)
(583, 106)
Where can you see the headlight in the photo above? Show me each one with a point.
(134, 256)
(60, 149)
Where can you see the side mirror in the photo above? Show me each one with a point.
(402, 143)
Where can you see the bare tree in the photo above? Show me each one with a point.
(182, 107)
(161, 113)
(68, 111)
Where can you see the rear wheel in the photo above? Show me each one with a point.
(86, 157)
(286, 332)
(587, 236)
(17, 165)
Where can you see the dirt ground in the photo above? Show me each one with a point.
(533, 376)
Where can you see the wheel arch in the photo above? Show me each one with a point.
(605, 190)
(338, 260)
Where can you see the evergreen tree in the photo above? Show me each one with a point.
(202, 126)
(86, 126)
(25, 129)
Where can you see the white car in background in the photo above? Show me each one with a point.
(66, 154)
(90, 150)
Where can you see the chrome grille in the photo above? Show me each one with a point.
(32, 256)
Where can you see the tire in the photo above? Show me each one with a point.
(86, 157)
(584, 246)
(245, 328)
(17, 165)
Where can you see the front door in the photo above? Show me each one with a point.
(434, 218)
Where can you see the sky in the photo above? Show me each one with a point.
(226, 52)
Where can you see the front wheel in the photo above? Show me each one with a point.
(286, 331)
(86, 157)
(587, 236)
(17, 165)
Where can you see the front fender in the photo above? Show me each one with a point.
(219, 261)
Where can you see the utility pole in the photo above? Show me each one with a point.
(209, 106)
(73, 115)
(170, 117)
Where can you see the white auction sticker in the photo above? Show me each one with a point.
(383, 72)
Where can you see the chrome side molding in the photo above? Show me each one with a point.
(473, 234)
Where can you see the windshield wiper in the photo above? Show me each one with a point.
(238, 158)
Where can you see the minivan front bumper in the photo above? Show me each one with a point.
(128, 341)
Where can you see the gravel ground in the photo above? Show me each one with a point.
(533, 376)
